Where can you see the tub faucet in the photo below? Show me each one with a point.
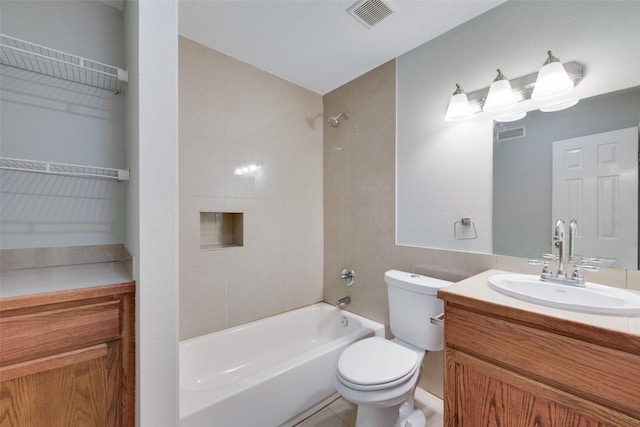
(343, 301)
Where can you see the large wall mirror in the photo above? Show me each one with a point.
(530, 190)
(447, 171)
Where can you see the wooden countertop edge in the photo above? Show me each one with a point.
(570, 328)
(25, 301)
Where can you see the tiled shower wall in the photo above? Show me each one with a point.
(231, 114)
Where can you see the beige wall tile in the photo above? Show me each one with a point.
(633, 279)
(516, 265)
(433, 373)
(231, 116)
(452, 265)
(204, 164)
(203, 305)
(607, 276)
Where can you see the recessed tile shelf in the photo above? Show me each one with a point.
(219, 230)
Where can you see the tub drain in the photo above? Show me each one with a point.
(344, 321)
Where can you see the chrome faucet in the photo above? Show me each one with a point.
(579, 263)
(343, 301)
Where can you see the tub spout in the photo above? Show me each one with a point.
(343, 301)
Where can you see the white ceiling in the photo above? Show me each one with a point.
(315, 43)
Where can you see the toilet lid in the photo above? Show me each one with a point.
(375, 361)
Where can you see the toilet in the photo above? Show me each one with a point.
(379, 375)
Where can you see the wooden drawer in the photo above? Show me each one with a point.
(600, 374)
(31, 336)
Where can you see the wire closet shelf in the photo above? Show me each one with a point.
(40, 59)
(23, 165)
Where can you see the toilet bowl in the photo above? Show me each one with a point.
(380, 376)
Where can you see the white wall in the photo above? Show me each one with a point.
(152, 210)
(48, 119)
(444, 170)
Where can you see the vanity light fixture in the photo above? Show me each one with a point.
(522, 89)
(459, 107)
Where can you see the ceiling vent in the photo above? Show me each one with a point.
(370, 12)
(511, 134)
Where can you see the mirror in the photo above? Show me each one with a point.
(523, 221)
(444, 170)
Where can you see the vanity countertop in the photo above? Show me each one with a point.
(475, 292)
(31, 281)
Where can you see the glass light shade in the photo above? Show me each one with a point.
(552, 81)
(500, 97)
(459, 108)
(559, 106)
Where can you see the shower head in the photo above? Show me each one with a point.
(335, 120)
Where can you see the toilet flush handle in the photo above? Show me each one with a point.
(438, 320)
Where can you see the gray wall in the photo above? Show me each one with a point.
(48, 119)
(522, 223)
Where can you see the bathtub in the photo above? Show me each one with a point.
(266, 373)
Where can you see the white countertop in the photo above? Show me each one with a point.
(30, 281)
(476, 287)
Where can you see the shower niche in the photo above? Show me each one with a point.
(219, 230)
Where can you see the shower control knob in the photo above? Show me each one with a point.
(348, 276)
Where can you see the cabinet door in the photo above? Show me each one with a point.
(481, 394)
(74, 389)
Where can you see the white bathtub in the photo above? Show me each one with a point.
(266, 373)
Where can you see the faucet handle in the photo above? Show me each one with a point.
(580, 262)
(348, 276)
(552, 257)
(577, 272)
(545, 266)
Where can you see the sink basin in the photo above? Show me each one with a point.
(593, 298)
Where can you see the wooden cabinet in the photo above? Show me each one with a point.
(508, 367)
(68, 358)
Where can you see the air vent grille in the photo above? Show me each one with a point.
(370, 12)
(511, 134)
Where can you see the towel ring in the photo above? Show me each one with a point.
(465, 222)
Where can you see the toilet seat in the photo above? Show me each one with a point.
(376, 364)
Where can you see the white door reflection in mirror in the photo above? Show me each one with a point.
(595, 181)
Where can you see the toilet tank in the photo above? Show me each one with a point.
(412, 303)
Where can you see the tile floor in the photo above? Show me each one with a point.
(341, 413)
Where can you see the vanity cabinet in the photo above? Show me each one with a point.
(67, 358)
(505, 366)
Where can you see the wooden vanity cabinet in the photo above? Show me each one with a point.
(68, 358)
(513, 368)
